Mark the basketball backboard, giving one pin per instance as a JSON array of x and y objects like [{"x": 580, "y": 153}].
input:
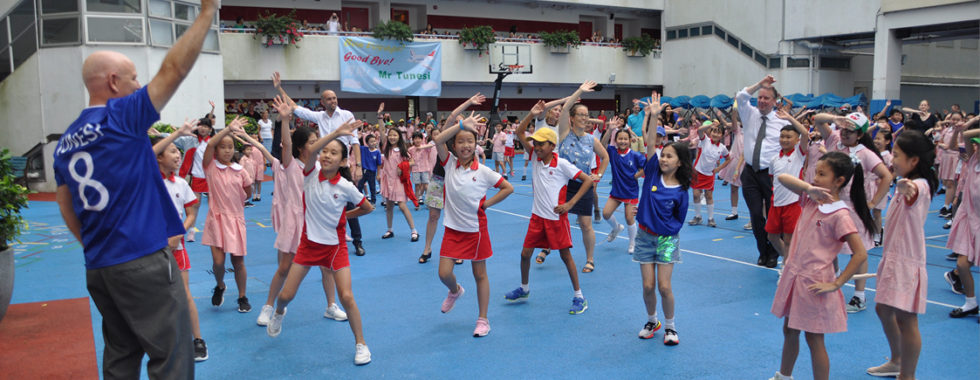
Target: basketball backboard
[{"x": 510, "y": 58}]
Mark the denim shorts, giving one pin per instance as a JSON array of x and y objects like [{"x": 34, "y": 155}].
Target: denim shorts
[{"x": 656, "y": 249}]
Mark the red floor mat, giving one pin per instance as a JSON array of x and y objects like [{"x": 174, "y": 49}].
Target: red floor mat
[{"x": 48, "y": 340}]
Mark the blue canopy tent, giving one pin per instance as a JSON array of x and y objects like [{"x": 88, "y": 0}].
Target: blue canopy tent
[
  {"x": 680, "y": 101},
  {"x": 722, "y": 101},
  {"x": 700, "y": 101}
]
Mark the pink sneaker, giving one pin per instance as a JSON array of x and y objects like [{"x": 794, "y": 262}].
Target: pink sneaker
[
  {"x": 450, "y": 301},
  {"x": 482, "y": 328}
]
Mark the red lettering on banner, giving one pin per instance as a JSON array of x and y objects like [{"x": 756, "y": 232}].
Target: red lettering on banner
[
  {"x": 351, "y": 57},
  {"x": 379, "y": 61}
]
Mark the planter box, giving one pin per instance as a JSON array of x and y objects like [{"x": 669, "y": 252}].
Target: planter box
[
  {"x": 6, "y": 279},
  {"x": 276, "y": 41},
  {"x": 470, "y": 46},
  {"x": 559, "y": 50},
  {"x": 634, "y": 54}
]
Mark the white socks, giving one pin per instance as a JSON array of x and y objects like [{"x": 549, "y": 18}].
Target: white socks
[
  {"x": 632, "y": 231},
  {"x": 652, "y": 318},
  {"x": 711, "y": 210},
  {"x": 525, "y": 288},
  {"x": 859, "y": 294},
  {"x": 669, "y": 324},
  {"x": 613, "y": 223},
  {"x": 971, "y": 302},
  {"x": 734, "y": 210},
  {"x": 697, "y": 209},
  {"x": 578, "y": 293}
]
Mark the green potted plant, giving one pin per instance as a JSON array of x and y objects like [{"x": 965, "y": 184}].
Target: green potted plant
[
  {"x": 13, "y": 198},
  {"x": 639, "y": 46},
  {"x": 561, "y": 41},
  {"x": 393, "y": 30},
  {"x": 477, "y": 38},
  {"x": 278, "y": 30},
  {"x": 163, "y": 127}
]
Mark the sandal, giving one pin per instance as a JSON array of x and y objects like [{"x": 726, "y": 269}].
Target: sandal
[
  {"x": 589, "y": 267},
  {"x": 425, "y": 257},
  {"x": 459, "y": 261},
  {"x": 388, "y": 235},
  {"x": 415, "y": 237},
  {"x": 542, "y": 256}
]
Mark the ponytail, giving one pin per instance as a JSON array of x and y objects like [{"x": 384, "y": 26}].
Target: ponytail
[
  {"x": 860, "y": 200},
  {"x": 914, "y": 144}
]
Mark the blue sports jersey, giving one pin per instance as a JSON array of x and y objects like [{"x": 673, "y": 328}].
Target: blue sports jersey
[
  {"x": 624, "y": 167},
  {"x": 370, "y": 159},
  {"x": 107, "y": 162},
  {"x": 662, "y": 209}
]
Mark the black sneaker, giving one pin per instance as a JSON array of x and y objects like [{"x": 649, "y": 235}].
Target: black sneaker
[
  {"x": 952, "y": 256},
  {"x": 948, "y": 224},
  {"x": 855, "y": 305},
  {"x": 200, "y": 350},
  {"x": 523, "y": 178},
  {"x": 249, "y": 204},
  {"x": 943, "y": 212},
  {"x": 359, "y": 249},
  {"x": 941, "y": 191},
  {"x": 954, "y": 282},
  {"x": 731, "y": 217},
  {"x": 218, "y": 298},
  {"x": 243, "y": 305}
]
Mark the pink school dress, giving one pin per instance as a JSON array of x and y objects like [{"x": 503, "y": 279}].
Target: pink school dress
[
  {"x": 948, "y": 158},
  {"x": 902, "y": 278},
  {"x": 818, "y": 237},
  {"x": 258, "y": 165},
  {"x": 728, "y": 173},
  {"x": 391, "y": 186},
  {"x": 225, "y": 224},
  {"x": 964, "y": 236},
  {"x": 869, "y": 160},
  {"x": 287, "y": 205}
]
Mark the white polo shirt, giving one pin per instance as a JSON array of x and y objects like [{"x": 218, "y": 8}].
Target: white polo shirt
[
  {"x": 550, "y": 183},
  {"x": 709, "y": 154},
  {"x": 542, "y": 123},
  {"x": 465, "y": 190},
  {"x": 327, "y": 124},
  {"x": 180, "y": 193},
  {"x": 325, "y": 202},
  {"x": 786, "y": 163}
]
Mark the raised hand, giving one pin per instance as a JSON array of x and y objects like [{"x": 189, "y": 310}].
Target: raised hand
[
  {"x": 538, "y": 108},
  {"x": 381, "y": 108},
  {"x": 236, "y": 124},
  {"x": 654, "y": 106},
  {"x": 477, "y": 99},
  {"x": 284, "y": 108},
  {"x": 472, "y": 122},
  {"x": 276, "y": 82},
  {"x": 211, "y": 102},
  {"x": 188, "y": 128},
  {"x": 782, "y": 114},
  {"x": 888, "y": 103},
  {"x": 587, "y": 86},
  {"x": 347, "y": 129},
  {"x": 768, "y": 80}
]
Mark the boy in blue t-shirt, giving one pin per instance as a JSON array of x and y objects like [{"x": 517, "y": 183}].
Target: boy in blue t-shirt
[{"x": 370, "y": 159}]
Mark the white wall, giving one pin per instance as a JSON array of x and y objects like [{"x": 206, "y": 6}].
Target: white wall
[
  {"x": 707, "y": 66},
  {"x": 943, "y": 60},
  {"x": 20, "y": 108},
  {"x": 809, "y": 19},
  {"x": 757, "y": 22},
  {"x": 317, "y": 59}
]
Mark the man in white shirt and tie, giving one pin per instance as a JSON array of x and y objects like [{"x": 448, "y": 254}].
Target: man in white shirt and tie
[{"x": 760, "y": 145}]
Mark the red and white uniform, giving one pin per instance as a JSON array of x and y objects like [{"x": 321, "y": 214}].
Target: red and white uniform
[
  {"x": 466, "y": 235},
  {"x": 709, "y": 155},
  {"x": 182, "y": 197},
  {"x": 325, "y": 220},
  {"x": 509, "y": 143},
  {"x": 192, "y": 165},
  {"x": 550, "y": 183},
  {"x": 786, "y": 209}
]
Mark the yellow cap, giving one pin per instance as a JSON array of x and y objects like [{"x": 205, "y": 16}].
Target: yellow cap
[{"x": 545, "y": 134}]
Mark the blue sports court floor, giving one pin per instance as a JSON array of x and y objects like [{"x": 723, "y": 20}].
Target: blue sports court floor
[{"x": 722, "y": 303}]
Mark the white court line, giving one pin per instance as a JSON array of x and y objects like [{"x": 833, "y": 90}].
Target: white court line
[{"x": 716, "y": 257}]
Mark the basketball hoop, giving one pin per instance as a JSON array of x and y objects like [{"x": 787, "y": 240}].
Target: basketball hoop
[{"x": 514, "y": 68}]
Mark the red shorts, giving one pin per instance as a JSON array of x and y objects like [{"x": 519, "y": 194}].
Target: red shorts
[
  {"x": 548, "y": 234},
  {"x": 508, "y": 151},
  {"x": 311, "y": 253},
  {"x": 702, "y": 182},
  {"x": 782, "y": 219},
  {"x": 633, "y": 201},
  {"x": 180, "y": 254},
  {"x": 466, "y": 245},
  {"x": 199, "y": 185}
]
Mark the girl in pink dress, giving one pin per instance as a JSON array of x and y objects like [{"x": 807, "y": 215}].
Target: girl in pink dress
[
  {"x": 964, "y": 236},
  {"x": 731, "y": 173},
  {"x": 394, "y": 152},
  {"x": 224, "y": 229},
  {"x": 808, "y": 295},
  {"x": 851, "y": 137},
  {"x": 258, "y": 169},
  {"x": 902, "y": 278},
  {"x": 882, "y": 141},
  {"x": 948, "y": 154}
]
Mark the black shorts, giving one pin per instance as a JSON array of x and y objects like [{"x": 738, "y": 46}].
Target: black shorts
[{"x": 584, "y": 205}]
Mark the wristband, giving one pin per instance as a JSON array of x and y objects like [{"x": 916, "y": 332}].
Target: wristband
[{"x": 460, "y": 125}]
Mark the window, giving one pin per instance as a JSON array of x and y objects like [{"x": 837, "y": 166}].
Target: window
[
  {"x": 114, "y": 6},
  {"x": 797, "y": 62},
  {"x": 21, "y": 18},
  {"x": 695, "y": 31},
  {"x": 761, "y": 59},
  {"x": 719, "y": 32},
  {"x": 682, "y": 33},
  {"x": 58, "y": 6},
  {"x": 5, "y": 64},
  {"x": 24, "y": 46},
  {"x": 161, "y": 33},
  {"x": 4, "y": 40},
  {"x": 60, "y": 31},
  {"x": 775, "y": 63},
  {"x": 706, "y": 30},
  {"x": 733, "y": 41},
  {"x": 841, "y": 63},
  {"x": 168, "y": 20},
  {"x": 747, "y": 50},
  {"x": 115, "y": 29},
  {"x": 671, "y": 34}
]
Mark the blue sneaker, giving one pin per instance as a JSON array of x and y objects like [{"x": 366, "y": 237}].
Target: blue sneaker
[
  {"x": 517, "y": 294},
  {"x": 579, "y": 305}
]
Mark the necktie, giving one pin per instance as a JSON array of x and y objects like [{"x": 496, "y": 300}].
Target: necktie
[{"x": 759, "y": 138}]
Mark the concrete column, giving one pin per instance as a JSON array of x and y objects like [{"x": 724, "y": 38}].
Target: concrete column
[
  {"x": 887, "y": 73},
  {"x": 384, "y": 11}
]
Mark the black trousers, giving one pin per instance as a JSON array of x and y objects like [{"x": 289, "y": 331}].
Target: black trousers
[
  {"x": 757, "y": 191},
  {"x": 370, "y": 178},
  {"x": 354, "y": 224},
  {"x": 144, "y": 311}
]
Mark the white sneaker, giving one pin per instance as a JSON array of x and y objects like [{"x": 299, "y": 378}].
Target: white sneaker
[
  {"x": 265, "y": 315},
  {"x": 779, "y": 376},
  {"x": 333, "y": 312},
  {"x": 615, "y": 232},
  {"x": 190, "y": 234},
  {"x": 275, "y": 324},
  {"x": 631, "y": 248},
  {"x": 747, "y": 227},
  {"x": 362, "y": 355}
]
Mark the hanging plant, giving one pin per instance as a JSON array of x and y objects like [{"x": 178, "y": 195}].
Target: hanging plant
[
  {"x": 478, "y": 38},
  {"x": 561, "y": 40},
  {"x": 278, "y": 30},
  {"x": 639, "y": 46},
  {"x": 393, "y": 30}
]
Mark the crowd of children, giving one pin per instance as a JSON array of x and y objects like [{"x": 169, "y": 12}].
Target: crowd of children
[{"x": 833, "y": 176}]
